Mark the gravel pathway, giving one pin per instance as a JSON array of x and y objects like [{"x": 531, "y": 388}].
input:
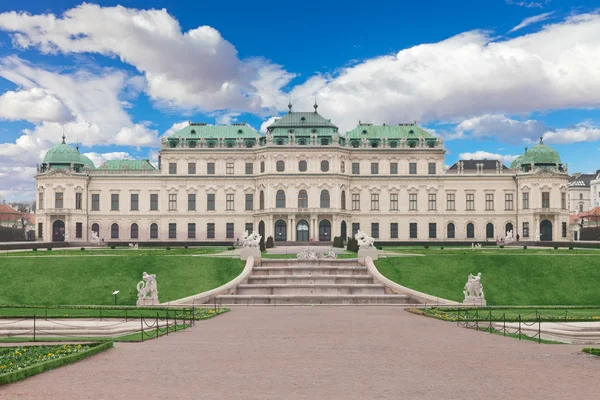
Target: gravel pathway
[{"x": 323, "y": 353}]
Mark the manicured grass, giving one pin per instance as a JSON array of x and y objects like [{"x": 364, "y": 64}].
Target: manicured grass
[
  {"x": 120, "y": 251},
  {"x": 461, "y": 250},
  {"x": 592, "y": 351},
  {"x": 102, "y": 312},
  {"x": 87, "y": 280},
  {"x": 507, "y": 280}
]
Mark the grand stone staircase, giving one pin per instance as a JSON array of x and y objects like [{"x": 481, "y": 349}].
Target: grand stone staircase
[{"x": 302, "y": 282}]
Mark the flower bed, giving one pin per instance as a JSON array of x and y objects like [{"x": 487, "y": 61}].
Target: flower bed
[
  {"x": 511, "y": 314},
  {"x": 592, "y": 351},
  {"x": 20, "y": 362}
]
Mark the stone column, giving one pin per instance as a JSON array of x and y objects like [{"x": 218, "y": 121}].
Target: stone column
[{"x": 292, "y": 237}]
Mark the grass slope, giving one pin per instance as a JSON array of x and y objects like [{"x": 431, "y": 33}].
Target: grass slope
[
  {"x": 91, "y": 280},
  {"x": 507, "y": 280}
]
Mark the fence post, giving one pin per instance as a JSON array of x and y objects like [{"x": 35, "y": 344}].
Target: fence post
[
  {"x": 125, "y": 315},
  {"x": 175, "y": 323},
  {"x": 142, "y": 327},
  {"x": 504, "y": 319},
  {"x": 566, "y": 314},
  {"x": 167, "y": 322},
  {"x": 157, "y": 325},
  {"x": 100, "y": 313},
  {"x": 34, "y": 327},
  {"x": 46, "y": 307},
  {"x": 539, "y": 330},
  {"x": 490, "y": 322},
  {"x": 467, "y": 320},
  {"x": 519, "y": 326},
  {"x": 477, "y": 319},
  {"x": 458, "y": 319}
]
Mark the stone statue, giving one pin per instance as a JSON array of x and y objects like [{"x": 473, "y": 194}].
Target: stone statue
[
  {"x": 66, "y": 235},
  {"x": 251, "y": 240},
  {"x": 133, "y": 246},
  {"x": 509, "y": 236},
  {"x": 147, "y": 290},
  {"x": 475, "y": 246},
  {"x": 474, "y": 290},
  {"x": 94, "y": 238},
  {"x": 365, "y": 242},
  {"x": 307, "y": 254}
]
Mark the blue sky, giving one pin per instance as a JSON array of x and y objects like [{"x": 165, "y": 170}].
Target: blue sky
[{"x": 490, "y": 76}]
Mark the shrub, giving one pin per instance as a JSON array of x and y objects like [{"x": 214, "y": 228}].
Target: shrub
[
  {"x": 231, "y": 248},
  {"x": 113, "y": 247},
  {"x": 338, "y": 242},
  {"x": 168, "y": 248},
  {"x": 262, "y": 244},
  {"x": 82, "y": 249},
  {"x": 501, "y": 246},
  {"x": 426, "y": 247},
  {"x": 49, "y": 249},
  {"x": 33, "y": 249},
  {"x": 442, "y": 248},
  {"x": 185, "y": 247},
  {"x": 524, "y": 247},
  {"x": 592, "y": 351},
  {"x": 570, "y": 247},
  {"x": 270, "y": 243},
  {"x": 379, "y": 247},
  {"x": 555, "y": 247},
  {"x": 352, "y": 245}
]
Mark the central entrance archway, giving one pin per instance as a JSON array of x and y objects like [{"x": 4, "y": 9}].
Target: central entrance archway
[
  {"x": 280, "y": 231},
  {"x": 324, "y": 231},
  {"x": 343, "y": 231},
  {"x": 302, "y": 231},
  {"x": 545, "y": 230},
  {"x": 58, "y": 231}
]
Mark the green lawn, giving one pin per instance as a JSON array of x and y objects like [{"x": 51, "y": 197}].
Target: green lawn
[
  {"x": 533, "y": 279},
  {"x": 120, "y": 251},
  {"x": 83, "y": 280}
]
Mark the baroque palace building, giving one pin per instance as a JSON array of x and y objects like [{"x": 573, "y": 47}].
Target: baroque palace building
[{"x": 301, "y": 181}]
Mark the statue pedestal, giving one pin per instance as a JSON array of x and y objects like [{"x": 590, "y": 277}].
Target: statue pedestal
[
  {"x": 246, "y": 252},
  {"x": 373, "y": 253},
  {"x": 147, "y": 302},
  {"x": 475, "y": 301}
]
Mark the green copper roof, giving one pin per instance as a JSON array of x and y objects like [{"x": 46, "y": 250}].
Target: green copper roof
[
  {"x": 129, "y": 165},
  {"x": 87, "y": 162},
  {"x": 64, "y": 155},
  {"x": 406, "y": 131},
  {"x": 541, "y": 154},
  {"x": 197, "y": 131},
  {"x": 302, "y": 120},
  {"x": 516, "y": 162}
]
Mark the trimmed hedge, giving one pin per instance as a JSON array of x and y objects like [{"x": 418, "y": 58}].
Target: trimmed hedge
[
  {"x": 270, "y": 243},
  {"x": 51, "y": 364},
  {"x": 352, "y": 245},
  {"x": 338, "y": 242},
  {"x": 592, "y": 351}
]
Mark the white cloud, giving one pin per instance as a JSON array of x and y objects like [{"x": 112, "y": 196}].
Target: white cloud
[
  {"x": 529, "y": 4},
  {"x": 100, "y": 158},
  {"x": 265, "y": 125},
  {"x": 500, "y": 127},
  {"x": 16, "y": 183},
  {"x": 176, "y": 127},
  {"x": 532, "y": 20},
  {"x": 34, "y": 104},
  {"x": 227, "y": 118},
  {"x": 484, "y": 155},
  {"x": 582, "y": 132}
]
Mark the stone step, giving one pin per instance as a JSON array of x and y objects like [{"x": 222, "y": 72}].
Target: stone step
[
  {"x": 290, "y": 262},
  {"x": 313, "y": 299},
  {"x": 310, "y": 270},
  {"x": 310, "y": 289},
  {"x": 309, "y": 279}
]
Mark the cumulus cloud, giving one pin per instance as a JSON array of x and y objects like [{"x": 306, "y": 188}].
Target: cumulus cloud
[
  {"x": 265, "y": 125},
  {"x": 532, "y": 20},
  {"x": 500, "y": 127},
  {"x": 529, "y": 4},
  {"x": 175, "y": 128},
  {"x": 484, "y": 155},
  {"x": 227, "y": 118},
  {"x": 33, "y": 104},
  {"x": 16, "y": 183},
  {"x": 100, "y": 158},
  {"x": 582, "y": 132}
]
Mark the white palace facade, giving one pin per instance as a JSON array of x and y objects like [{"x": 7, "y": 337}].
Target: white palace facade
[{"x": 301, "y": 181}]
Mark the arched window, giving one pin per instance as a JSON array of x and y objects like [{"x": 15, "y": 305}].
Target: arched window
[
  {"x": 393, "y": 144},
  {"x": 489, "y": 231},
  {"x": 324, "y": 199},
  {"x": 302, "y": 166},
  {"x": 470, "y": 231},
  {"x": 343, "y": 167},
  {"x": 280, "y": 166},
  {"x": 451, "y": 231},
  {"x": 262, "y": 166},
  {"x": 302, "y": 199},
  {"x": 343, "y": 200},
  {"x": 192, "y": 144},
  {"x": 279, "y": 142},
  {"x": 355, "y": 143},
  {"x": 154, "y": 231},
  {"x": 261, "y": 200},
  {"x": 324, "y": 166},
  {"x": 302, "y": 142},
  {"x": 114, "y": 231},
  {"x": 280, "y": 199},
  {"x": 374, "y": 144},
  {"x": 96, "y": 228},
  {"x": 134, "y": 234}
]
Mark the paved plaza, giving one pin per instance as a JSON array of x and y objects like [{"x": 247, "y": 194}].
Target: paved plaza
[{"x": 323, "y": 353}]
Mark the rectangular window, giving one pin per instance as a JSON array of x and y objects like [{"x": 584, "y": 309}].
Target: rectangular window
[
  {"x": 229, "y": 168},
  {"x": 450, "y": 202},
  {"x": 172, "y": 168},
  {"x": 95, "y": 201},
  {"x": 78, "y": 230},
  {"x": 40, "y": 230},
  {"x": 356, "y": 201},
  {"x": 412, "y": 230},
  {"x": 135, "y": 202},
  {"x": 394, "y": 230},
  {"x": 114, "y": 201},
  {"x": 40, "y": 205},
  {"x": 172, "y": 230},
  {"x": 470, "y": 201},
  {"x": 564, "y": 229},
  {"x": 210, "y": 201},
  {"x": 172, "y": 202},
  {"x": 545, "y": 199},
  {"x": 229, "y": 230},
  {"x": 210, "y": 168},
  {"x": 412, "y": 201},
  {"x": 191, "y": 201},
  {"x": 191, "y": 231},
  {"x": 412, "y": 168},
  {"x": 525, "y": 200},
  {"x": 508, "y": 201},
  {"x": 563, "y": 201},
  {"x": 355, "y": 228},
  {"x": 58, "y": 200},
  {"x": 78, "y": 201},
  {"x": 153, "y": 201},
  {"x": 525, "y": 229},
  {"x": 374, "y": 168},
  {"x": 375, "y": 230},
  {"x": 192, "y": 168},
  {"x": 432, "y": 230},
  {"x": 210, "y": 230},
  {"x": 432, "y": 203},
  {"x": 249, "y": 201},
  {"x": 355, "y": 168},
  {"x": 489, "y": 201},
  {"x": 229, "y": 199},
  {"x": 375, "y": 201},
  {"x": 394, "y": 201},
  {"x": 249, "y": 168},
  {"x": 249, "y": 227},
  {"x": 394, "y": 168},
  {"x": 431, "y": 168}
]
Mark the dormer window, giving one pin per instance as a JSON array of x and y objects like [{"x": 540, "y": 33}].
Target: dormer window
[
  {"x": 313, "y": 130},
  {"x": 172, "y": 144},
  {"x": 364, "y": 132},
  {"x": 229, "y": 144},
  {"x": 192, "y": 144},
  {"x": 240, "y": 131},
  {"x": 324, "y": 141},
  {"x": 302, "y": 119},
  {"x": 193, "y": 131},
  {"x": 211, "y": 144},
  {"x": 302, "y": 142},
  {"x": 279, "y": 142}
]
